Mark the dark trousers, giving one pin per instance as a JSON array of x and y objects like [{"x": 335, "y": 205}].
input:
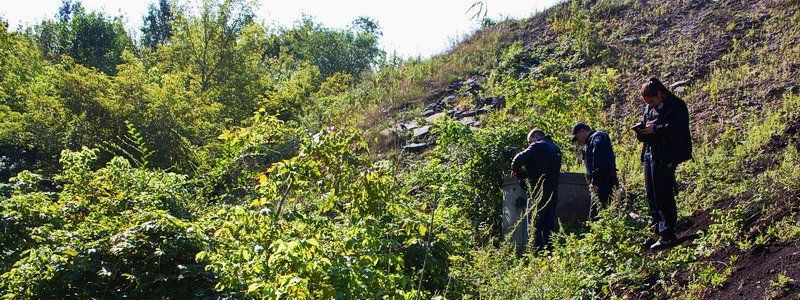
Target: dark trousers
[
  {"x": 659, "y": 181},
  {"x": 600, "y": 197},
  {"x": 545, "y": 221}
]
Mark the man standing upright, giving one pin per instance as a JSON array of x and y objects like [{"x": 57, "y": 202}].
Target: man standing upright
[
  {"x": 667, "y": 142},
  {"x": 601, "y": 165},
  {"x": 539, "y": 167}
]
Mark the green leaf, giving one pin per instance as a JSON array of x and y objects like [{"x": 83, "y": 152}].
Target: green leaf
[
  {"x": 253, "y": 287},
  {"x": 200, "y": 256}
]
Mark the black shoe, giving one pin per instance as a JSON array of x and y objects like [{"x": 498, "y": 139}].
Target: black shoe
[{"x": 662, "y": 243}]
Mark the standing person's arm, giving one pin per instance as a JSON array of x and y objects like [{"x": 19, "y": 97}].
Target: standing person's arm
[
  {"x": 674, "y": 124},
  {"x": 521, "y": 159},
  {"x": 602, "y": 156},
  {"x": 644, "y": 138}
]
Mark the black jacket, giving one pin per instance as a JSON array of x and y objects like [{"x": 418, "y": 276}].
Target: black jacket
[
  {"x": 601, "y": 165},
  {"x": 671, "y": 141},
  {"x": 541, "y": 160}
]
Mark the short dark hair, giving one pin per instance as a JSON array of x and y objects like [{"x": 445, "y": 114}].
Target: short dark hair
[
  {"x": 580, "y": 126},
  {"x": 535, "y": 132}
]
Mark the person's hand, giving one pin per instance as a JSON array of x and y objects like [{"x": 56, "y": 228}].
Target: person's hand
[{"x": 648, "y": 129}]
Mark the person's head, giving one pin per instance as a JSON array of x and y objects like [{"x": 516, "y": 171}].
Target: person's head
[
  {"x": 580, "y": 133},
  {"x": 535, "y": 136},
  {"x": 654, "y": 92}
]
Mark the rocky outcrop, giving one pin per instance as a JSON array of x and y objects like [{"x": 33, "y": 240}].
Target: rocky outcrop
[{"x": 461, "y": 101}]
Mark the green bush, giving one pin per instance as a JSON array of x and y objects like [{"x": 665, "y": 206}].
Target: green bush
[{"x": 116, "y": 230}]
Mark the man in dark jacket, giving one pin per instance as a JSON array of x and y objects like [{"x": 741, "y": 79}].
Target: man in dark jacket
[
  {"x": 667, "y": 142},
  {"x": 538, "y": 167},
  {"x": 601, "y": 165}
]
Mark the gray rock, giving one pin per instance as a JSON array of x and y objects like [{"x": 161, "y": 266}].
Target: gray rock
[
  {"x": 680, "y": 89},
  {"x": 485, "y": 109},
  {"x": 386, "y": 132},
  {"x": 422, "y": 131},
  {"x": 499, "y": 102},
  {"x": 427, "y": 112},
  {"x": 390, "y": 138},
  {"x": 680, "y": 83},
  {"x": 434, "y": 117},
  {"x": 630, "y": 40},
  {"x": 470, "y": 82},
  {"x": 415, "y": 147},
  {"x": 468, "y": 121},
  {"x": 474, "y": 82},
  {"x": 447, "y": 100},
  {"x": 407, "y": 125},
  {"x": 469, "y": 113},
  {"x": 491, "y": 101}
]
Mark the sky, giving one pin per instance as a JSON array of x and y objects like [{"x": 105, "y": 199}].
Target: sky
[{"x": 410, "y": 27}]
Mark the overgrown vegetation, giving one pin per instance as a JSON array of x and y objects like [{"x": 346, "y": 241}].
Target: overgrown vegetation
[{"x": 217, "y": 157}]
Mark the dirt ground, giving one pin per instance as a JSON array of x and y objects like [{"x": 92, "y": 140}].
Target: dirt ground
[{"x": 757, "y": 270}]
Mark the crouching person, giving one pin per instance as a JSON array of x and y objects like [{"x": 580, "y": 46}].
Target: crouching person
[{"x": 538, "y": 167}]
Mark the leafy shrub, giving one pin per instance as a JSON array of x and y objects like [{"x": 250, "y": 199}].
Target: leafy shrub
[
  {"x": 325, "y": 224},
  {"x": 478, "y": 160},
  {"x": 116, "y": 230}
]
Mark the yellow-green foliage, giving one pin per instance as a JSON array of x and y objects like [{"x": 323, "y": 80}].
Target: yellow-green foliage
[
  {"x": 554, "y": 105},
  {"x": 231, "y": 167},
  {"x": 578, "y": 32}
]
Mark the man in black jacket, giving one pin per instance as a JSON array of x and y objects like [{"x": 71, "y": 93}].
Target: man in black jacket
[
  {"x": 601, "y": 165},
  {"x": 667, "y": 143},
  {"x": 538, "y": 167}
]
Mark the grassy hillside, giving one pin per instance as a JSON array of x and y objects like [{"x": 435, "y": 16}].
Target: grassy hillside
[
  {"x": 731, "y": 62},
  {"x": 267, "y": 178}
]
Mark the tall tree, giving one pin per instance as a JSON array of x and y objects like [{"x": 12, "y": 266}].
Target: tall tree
[
  {"x": 92, "y": 39},
  {"x": 350, "y": 51},
  {"x": 158, "y": 22},
  {"x": 67, "y": 8},
  {"x": 221, "y": 50},
  {"x": 208, "y": 43}
]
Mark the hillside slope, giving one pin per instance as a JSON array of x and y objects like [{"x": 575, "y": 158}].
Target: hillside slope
[{"x": 734, "y": 62}]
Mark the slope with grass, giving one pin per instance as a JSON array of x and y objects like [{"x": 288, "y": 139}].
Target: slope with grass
[{"x": 734, "y": 62}]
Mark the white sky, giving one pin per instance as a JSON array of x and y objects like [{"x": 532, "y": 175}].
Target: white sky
[{"x": 410, "y": 27}]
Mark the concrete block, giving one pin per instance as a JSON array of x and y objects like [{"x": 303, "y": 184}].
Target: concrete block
[{"x": 572, "y": 209}]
